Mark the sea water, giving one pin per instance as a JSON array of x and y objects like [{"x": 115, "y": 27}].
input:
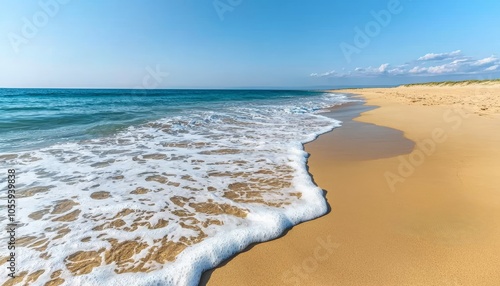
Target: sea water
[{"x": 153, "y": 187}]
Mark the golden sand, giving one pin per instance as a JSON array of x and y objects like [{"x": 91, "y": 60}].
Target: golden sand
[
  {"x": 38, "y": 215},
  {"x": 82, "y": 262},
  {"x": 140, "y": 191},
  {"x": 16, "y": 280},
  {"x": 63, "y": 206},
  {"x": 419, "y": 206},
  {"x": 55, "y": 282},
  {"x": 218, "y": 209},
  {"x": 34, "y": 276},
  {"x": 481, "y": 99},
  {"x": 68, "y": 217},
  {"x": 101, "y": 195},
  {"x": 33, "y": 191}
]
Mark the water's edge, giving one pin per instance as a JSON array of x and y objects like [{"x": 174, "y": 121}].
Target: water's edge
[{"x": 359, "y": 101}]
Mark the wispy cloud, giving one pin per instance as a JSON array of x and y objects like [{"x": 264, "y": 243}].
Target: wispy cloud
[
  {"x": 440, "y": 57},
  {"x": 453, "y": 63},
  {"x": 493, "y": 68},
  {"x": 486, "y": 61},
  {"x": 326, "y": 74}
]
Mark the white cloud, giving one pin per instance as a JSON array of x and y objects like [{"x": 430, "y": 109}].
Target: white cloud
[
  {"x": 439, "y": 57},
  {"x": 486, "y": 61},
  {"x": 326, "y": 74},
  {"x": 492, "y": 68},
  {"x": 456, "y": 62},
  {"x": 442, "y": 69},
  {"x": 453, "y": 63},
  {"x": 417, "y": 69},
  {"x": 383, "y": 68}
]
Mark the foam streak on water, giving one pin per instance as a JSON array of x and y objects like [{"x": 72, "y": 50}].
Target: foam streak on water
[{"x": 160, "y": 202}]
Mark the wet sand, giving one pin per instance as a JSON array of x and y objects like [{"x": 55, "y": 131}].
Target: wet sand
[{"x": 414, "y": 191}]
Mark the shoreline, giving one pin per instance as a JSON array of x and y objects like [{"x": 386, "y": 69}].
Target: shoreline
[
  {"x": 353, "y": 109},
  {"x": 393, "y": 144},
  {"x": 431, "y": 227}
]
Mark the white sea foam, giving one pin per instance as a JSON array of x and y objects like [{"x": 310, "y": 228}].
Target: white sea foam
[{"x": 207, "y": 184}]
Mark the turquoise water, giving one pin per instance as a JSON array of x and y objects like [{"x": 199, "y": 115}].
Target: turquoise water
[
  {"x": 32, "y": 118},
  {"x": 193, "y": 175}
]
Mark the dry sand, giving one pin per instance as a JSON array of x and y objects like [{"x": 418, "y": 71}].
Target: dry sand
[{"x": 434, "y": 220}]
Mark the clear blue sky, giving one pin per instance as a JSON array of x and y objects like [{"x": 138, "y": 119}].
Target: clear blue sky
[{"x": 245, "y": 43}]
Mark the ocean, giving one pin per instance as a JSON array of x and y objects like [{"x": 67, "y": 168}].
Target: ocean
[{"x": 153, "y": 187}]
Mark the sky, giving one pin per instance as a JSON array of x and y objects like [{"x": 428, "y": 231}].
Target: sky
[{"x": 246, "y": 43}]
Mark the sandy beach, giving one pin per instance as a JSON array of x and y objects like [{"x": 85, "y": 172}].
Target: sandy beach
[{"x": 413, "y": 187}]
